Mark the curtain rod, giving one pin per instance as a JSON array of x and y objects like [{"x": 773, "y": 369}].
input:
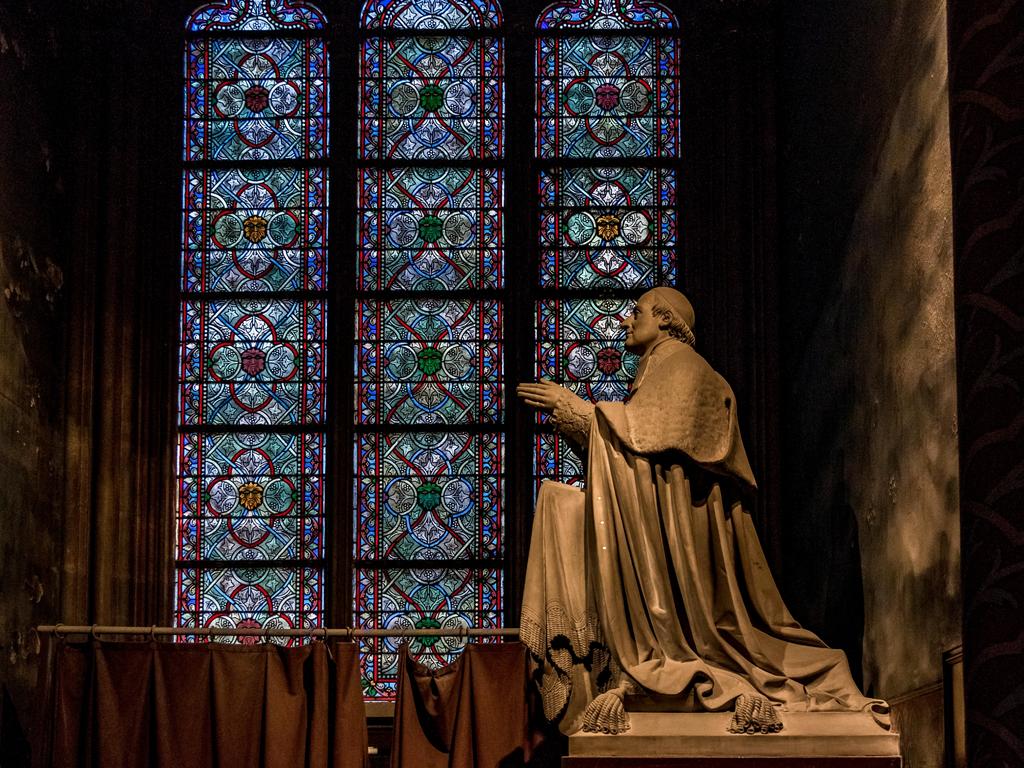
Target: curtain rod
[{"x": 317, "y": 633}]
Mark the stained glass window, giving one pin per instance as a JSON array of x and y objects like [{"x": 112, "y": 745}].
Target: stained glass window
[
  {"x": 429, "y": 347},
  {"x": 429, "y": 361},
  {"x": 251, "y": 454},
  {"x": 607, "y": 139},
  {"x": 428, "y": 15},
  {"x": 432, "y": 98},
  {"x": 427, "y": 228},
  {"x": 607, "y": 227},
  {"x": 606, "y": 15}
]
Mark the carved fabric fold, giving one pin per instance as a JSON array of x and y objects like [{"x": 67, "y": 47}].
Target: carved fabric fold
[
  {"x": 557, "y": 623},
  {"x": 683, "y": 590}
]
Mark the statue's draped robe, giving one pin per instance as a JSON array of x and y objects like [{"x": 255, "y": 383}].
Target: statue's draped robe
[{"x": 659, "y": 564}]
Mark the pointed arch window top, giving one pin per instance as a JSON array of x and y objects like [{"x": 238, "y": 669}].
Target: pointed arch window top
[
  {"x": 431, "y": 14},
  {"x": 256, "y": 16},
  {"x": 606, "y": 15}
]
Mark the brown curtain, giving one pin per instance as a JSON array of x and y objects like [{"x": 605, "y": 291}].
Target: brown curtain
[
  {"x": 142, "y": 704},
  {"x": 469, "y": 714}
]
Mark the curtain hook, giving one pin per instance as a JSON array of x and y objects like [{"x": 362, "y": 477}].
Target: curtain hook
[
  {"x": 57, "y": 632},
  {"x": 266, "y": 634},
  {"x": 152, "y": 633},
  {"x": 350, "y": 634},
  {"x": 327, "y": 646},
  {"x": 93, "y": 633}
]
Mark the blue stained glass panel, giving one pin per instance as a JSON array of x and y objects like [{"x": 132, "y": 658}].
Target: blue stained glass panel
[
  {"x": 256, "y": 16},
  {"x": 581, "y": 346},
  {"x": 618, "y": 187},
  {"x": 607, "y": 98},
  {"x": 421, "y": 598},
  {"x": 249, "y": 496},
  {"x": 250, "y": 596},
  {"x": 606, "y": 15},
  {"x": 255, "y": 229},
  {"x": 429, "y": 360},
  {"x": 429, "y": 495},
  {"x": 256, "y": 99},
  {"x": 430, "y": 14},
  {"x": 250, "y": 515},
  {"x": 252, "y": 361},
  {"x": 425, "y": 357},
  {"x": 431, "y": 228},
  {"x": 431, "y": 98},
  {"x": 607, "y": 227}
]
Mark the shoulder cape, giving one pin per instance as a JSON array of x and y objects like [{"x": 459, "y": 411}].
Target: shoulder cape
[{"x": 683, "y": 405}]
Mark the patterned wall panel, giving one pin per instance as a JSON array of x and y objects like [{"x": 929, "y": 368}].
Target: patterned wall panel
[{"x": 987, "y": 126}]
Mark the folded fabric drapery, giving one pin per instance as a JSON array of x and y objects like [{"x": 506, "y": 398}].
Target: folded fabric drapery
[
  {"x": 471, "y": 713},
  {"x": 210, "y": 705}
]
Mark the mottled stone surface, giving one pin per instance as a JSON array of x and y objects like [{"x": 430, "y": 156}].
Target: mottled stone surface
[
  {"x": 919, "y": 719},
  {"x": 32, "y": 363},
  {"x": 871, "y": 449}
]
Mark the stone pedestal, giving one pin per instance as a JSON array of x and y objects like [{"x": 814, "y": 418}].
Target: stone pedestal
[{"x": 699, "y": 740}]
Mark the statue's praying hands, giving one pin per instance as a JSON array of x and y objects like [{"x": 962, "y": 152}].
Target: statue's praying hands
[
  {"x": 570, "y": 414},
  {"x": 542, "y": 395}
]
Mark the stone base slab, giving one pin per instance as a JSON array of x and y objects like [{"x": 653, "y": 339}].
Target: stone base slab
[
  {"x": 731, "y": 762},
  {"x": 805, "y": 735}
]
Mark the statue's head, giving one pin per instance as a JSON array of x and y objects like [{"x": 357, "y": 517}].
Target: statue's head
[
  {"x": 674, "y": 312},
  {"x": 660, "y": 313}
]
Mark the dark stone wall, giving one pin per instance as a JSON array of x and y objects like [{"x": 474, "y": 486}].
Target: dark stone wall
[
  {"x": 33, "y": 265},
  {"x": 870, "y": 506},
  {"x": 89, "y": 171}
]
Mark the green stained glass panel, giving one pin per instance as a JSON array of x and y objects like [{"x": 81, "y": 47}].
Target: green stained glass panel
[
  {"x": 247, "y": 496},
  {"x": 431, "y": 228},
  {"x": 429, "y": 360},
  {"x": 255, "y": 229},
  {"x": 259, "y": 98},
  {"x": 250, "y": 596},
  {"x": 429, "y": 496},
  {"x": 607, "y": 227},
  {"x": 252, "y": 361},
  {"x": 607, "y": 98},
  {"x": 429, "y": 597},
  {"x": 431, "y": 98}
]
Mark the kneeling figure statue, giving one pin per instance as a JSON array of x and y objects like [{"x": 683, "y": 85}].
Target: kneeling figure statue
[{"x": 652, "y": 580}]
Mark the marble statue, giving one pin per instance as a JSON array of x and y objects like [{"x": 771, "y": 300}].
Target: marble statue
[{"x": 652, "y": 579}]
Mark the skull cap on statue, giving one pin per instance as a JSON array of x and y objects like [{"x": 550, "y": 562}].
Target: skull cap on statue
[{"x": 674, "y": 300}]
